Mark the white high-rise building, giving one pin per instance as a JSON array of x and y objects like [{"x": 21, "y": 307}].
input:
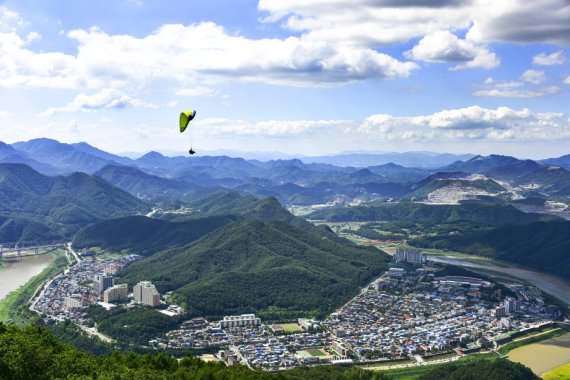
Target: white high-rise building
[
  {"x": 240, "y": 321},
  {"x": 145, "y": 292},
  {"x": 119, "y": 292},
  {"x": 413, "y": 256}
]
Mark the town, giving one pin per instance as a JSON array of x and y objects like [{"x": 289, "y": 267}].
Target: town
[{"x": 411, "y": 314}]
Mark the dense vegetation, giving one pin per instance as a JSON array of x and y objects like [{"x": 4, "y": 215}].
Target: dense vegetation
[
  {"x": 136, "y": 326},
  {"x": 34, "y": 353},
  {"x": 542, "y": 245},
  {"x": 493, "y": 215},
  {"x": 496, "y": 370},
  {"x": 145, "y": 236},
  {"x": 257, "y": 266},
  {"x": 33, "y": 205}
]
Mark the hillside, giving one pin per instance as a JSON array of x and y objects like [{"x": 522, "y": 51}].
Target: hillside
[
  {"x": 62, "y": 203},
  {"x": 544, "y": 246},
  {"x": 64, "y": 157},
  {"x": 145, "y": 236},
  {"x": 430, "y": 214},
  {"x": 141, "y": 184},
  {"x": 270, "y": 268},
  {"x": 469, "y": 182}
]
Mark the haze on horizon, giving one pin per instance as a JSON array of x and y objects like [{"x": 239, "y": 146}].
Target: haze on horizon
[{"x": 299, "y": 77}]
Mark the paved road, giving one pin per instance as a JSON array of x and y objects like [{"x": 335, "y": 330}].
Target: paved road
[{"x": 548, "y": 283}]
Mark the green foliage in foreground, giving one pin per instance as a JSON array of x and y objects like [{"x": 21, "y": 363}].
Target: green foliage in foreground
[
  {"x": 33, "y": 353},
  {"x": 497, "y": 370}
]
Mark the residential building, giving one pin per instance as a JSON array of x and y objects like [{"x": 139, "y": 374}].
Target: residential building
[
  {"x": 412, "y": 256},
  {"x": 145, "y": 292},
  {"x": 240, "y": 321},
  {"x": 103, "y": 282},
  {"x": 119, "y": 292},
  {"x": 73, "y": 303}
]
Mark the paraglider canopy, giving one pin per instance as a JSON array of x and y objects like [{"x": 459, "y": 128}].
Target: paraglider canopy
[{"x": 185, "y": 118}]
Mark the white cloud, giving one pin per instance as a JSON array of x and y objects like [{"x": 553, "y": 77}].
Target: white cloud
[
  {"x": 10, "y": 20},
  {"x": 117, "y": 61},
  {"x": 104, "y": 99},
  {"x": 514, "y": 89},
  {"x": 443, "y": 46},
  {"x": 196, "y": 91},
  {"x": 269, "y": 128},
  {"x": 534, "y": 76},
  {"x": 468, "y": 123},
  {"x": 567, "y": 80},
  {"x": 556, "y": 58},
  {"x": 384, "y": 22}
]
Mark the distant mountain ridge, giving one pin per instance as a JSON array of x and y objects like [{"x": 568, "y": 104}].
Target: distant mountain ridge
[{"x": 61, "y": 203}]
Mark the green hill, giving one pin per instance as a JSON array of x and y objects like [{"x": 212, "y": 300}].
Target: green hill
[
  {"x": 430, "y": 214},
  {"x": 61, "y": 203},
  {"x": 271, "y": 268},
  {"x": 541, "y": 245},
  {"x": 145, "y": 236}
]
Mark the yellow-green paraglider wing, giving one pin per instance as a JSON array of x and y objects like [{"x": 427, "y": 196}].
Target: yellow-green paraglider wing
[{"x": 185, "y": 118}]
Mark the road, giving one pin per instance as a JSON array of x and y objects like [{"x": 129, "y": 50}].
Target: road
[
  {"x": 75, "y": 255},
  {"x": 548, "y": 283}
]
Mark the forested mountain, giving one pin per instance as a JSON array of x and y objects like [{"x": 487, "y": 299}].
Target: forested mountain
[
  {"x": 485, "y": 214},
  {"x": 261, "y": 266},
  {"x": 144, "y": 185},
  {"x": 145, "y": 236},
  {"x": 540, "y": 245},
  {"x": 64, "y": 157},
  {"x": 61, "y": 203}
]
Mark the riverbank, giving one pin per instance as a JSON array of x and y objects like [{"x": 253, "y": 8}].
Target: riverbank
[{"x": 13, "y": 307}]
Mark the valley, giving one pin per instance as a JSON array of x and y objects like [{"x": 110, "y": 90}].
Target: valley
[{"x": 309, "y": 245}]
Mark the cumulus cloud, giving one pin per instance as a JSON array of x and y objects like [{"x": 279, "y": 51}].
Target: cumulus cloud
[
  {"x": 521, "y": 21},
  {"x": 443, "y": 46},
  {"x": 120, "y": 60},
  {"x": 391, "y": 21},
  {"x": 516, "y": 89},
  {"x": 567, "y": 80},
  {"x": 556, "y": 58},
  {"x": 104, "y": 99},
  {"x": 10, "y": 20},
  {"x": 534, "y": 76},
  {"x": 472, "y": 122},
  {"x": 475, "y": 122}
]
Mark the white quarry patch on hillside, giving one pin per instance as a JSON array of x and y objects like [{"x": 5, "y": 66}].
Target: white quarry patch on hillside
[{"x": 454, "y": 194}]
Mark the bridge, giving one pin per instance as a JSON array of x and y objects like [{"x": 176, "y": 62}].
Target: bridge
[{"x": 8, "y": 249}]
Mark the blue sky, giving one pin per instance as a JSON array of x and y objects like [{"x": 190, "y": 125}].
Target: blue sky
[{"x": 303, "y": 77}]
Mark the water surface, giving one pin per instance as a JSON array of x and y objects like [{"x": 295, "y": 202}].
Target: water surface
[{"x": 15, "y": 273}]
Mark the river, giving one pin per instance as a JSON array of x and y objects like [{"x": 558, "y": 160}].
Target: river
[
  {"x": 550, "y": 284},
  {"x": 15, "y": 273}
]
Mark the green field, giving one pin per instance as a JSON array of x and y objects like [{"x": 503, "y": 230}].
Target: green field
[
  {"x": 317, "y": 352},
  {"x": 291, "y": 327},
  {"x": 560, "y": 373}
]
